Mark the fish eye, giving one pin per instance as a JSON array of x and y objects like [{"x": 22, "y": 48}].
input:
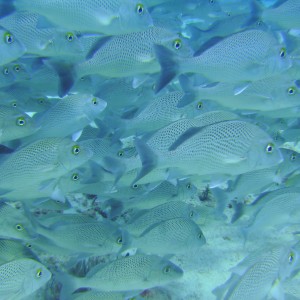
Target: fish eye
[
  {"x": 140, "y": 8},
  {"x": 75, "y": 150},
  {"x": 21, "y": 121},
  {"x": 95, "y": 101},
  {"x": 135, "y": 186},
  {"x": 167, "y": 269},
  {"x": 19, "y": 227},
  {"x": 39, "y": 273},
  {"x": 188, "y": 186},
  {"x": 228, "y": 14},
  {"x": 199, "y": 105},
  {"x": 270, "y": 148},
  {"x": 8, "y": 38},
  {"x": 75, "y": 176},
  {"x": 70, "y": 36},
  {"x": 28, "y": 245},
  {"x": 191, "y": 214},
  {"x": 17, "y": 68},
  {"x": 291, "y": 257},
  {"x": 14, "y": 104},
  {"x": 200, "y": 235},
  {"x": 291, "y": 90},
  {"x": 211, "y": 1},
  {"x": 293, "y": 156},
  {"x": 120, "y": 153},
  {"x": 119, "y": 240},
  {"x": 5, "y": 71},
  {"x": 282, "y": 52},
  {"x": 177, "y": 44}
]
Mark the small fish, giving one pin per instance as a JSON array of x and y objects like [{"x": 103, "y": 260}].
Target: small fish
[
  {"x": 264, "y": 95},
  {"x": 40, "y": 41},
  {"x": 94, "y": 237},
  {"x": 102, "y": 16},
  {"x": 274, "y": 211},
  {"x": 71, "y": 113},
  {"x": 174, "y": 236},
  {"x": 136, "y": 56},
  {"x": 161, "y": 193},
  {"x": 145, "y": 219},
  {"x": 41, "y": 160},
  {"x": 229, "y": 147},
  {"x": 259, "y": 278},
  {"x": 21, "y": 278},
  {"x": 128, "y": 273},
  {"x": 263, "y": 56}
]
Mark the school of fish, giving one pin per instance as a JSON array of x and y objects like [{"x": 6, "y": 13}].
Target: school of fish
[{"x": 150, "y": 149}]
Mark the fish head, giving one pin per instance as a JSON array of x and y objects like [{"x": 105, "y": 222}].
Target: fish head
[
  {"x": 10, "y": 48},
  {"x": 93, "y": 106},
  {"x": 14, "y": 222},
  {"x": 134, "y": 17},
  {"x": 39, "y": 276},
  {"x": 200, "y": 238},
  {"x": 263, "y": 152},
  {"x": 73, "y": 154},
  {"x": 65, "y": 43},
  {"x": 18, "y": 125},
  {"x": 290, "y": 260},
  {"x": 277, "y": 60},
  {"x": 164, "y": 271},
  {"x": 186, "y": 189}
]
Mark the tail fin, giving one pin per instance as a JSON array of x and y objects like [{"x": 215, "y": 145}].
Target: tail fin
[
  {"x": 148, "y": 158},
  {"x": 66, "y": 75},
  {"x": 168, "y": 64},
  {"x": 187, "y": 88}
]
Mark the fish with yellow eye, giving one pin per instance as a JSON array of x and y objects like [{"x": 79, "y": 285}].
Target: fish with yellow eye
[
  {"x": 15, "y": 124},
  {"x": 38, "y": 161},
  {"x": 10, "y": 48},
  {"x": 109, "y": 17},
  {"x": 22, "y": 277}
]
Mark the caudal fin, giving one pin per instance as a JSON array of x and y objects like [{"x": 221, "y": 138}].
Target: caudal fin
[
  {"x": 148, "y": 158},
  {"x": 168, "y": 64},
  {"x": 66, "y": 74}
]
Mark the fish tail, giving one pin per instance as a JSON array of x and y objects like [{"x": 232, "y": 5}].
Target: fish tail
[
  {"x": 66, "y": 73},
  {"x": 168, "y": 64},
  {"x": 69, "y": 285},
  {"x": 187, "y": 88},
  {"x": 148, "y": 158}
]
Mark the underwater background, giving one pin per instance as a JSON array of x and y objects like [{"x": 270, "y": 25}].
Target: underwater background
[{"x": 149, "y": 149}]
